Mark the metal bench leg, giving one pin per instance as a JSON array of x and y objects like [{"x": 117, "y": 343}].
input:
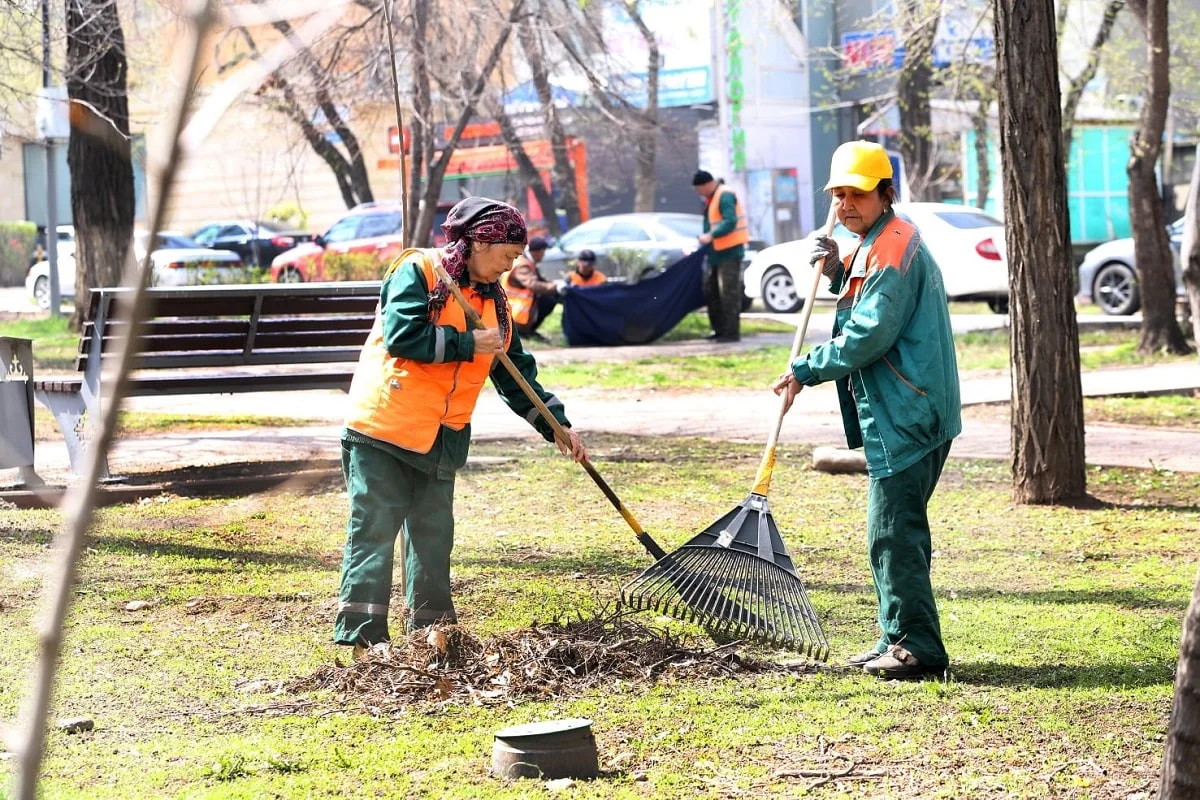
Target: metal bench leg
[{"x": 70, "y": 413}]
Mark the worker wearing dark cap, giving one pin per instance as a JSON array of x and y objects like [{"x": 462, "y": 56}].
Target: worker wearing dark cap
[
  {"x": 585, "y": 272},
  {"x": 530, "y": 296},
  {"x": 725, "y": 235}
]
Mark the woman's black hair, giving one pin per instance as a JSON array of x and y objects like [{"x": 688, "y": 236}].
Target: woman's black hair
[{"x": 887, "y": 190}]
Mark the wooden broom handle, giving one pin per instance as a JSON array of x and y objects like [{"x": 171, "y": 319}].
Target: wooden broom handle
[
  {"x": 763, "y": 480},
  {"x": 555, "y": 425}
]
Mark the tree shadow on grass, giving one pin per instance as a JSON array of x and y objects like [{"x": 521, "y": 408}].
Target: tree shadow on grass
[
  {"x": 191, "y": 552},
  {"x": 1097, "y": 675},
  {"x": 1093, "y": 503},
  {"x": 1123, "y": 598}
]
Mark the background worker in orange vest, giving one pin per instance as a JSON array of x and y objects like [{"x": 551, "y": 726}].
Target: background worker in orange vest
[
  {"x": 530, "y": 295},
  {"x": 725, "y": 235},
  {"x": 585, "y": 272},
  {"x": 409, "y": 425}
]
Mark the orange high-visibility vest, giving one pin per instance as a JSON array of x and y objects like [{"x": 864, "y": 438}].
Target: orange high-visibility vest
[
  {"x": 520, "y": 299},
  {"x": 595, "y": 279},
  {"x": 405, "y": 402},
  {"x": 740, "y": 234}
]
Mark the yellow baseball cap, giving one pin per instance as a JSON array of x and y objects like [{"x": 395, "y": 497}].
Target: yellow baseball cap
[{"x": 859, "y": 164}]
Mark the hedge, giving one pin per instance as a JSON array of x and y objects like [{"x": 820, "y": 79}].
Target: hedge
[{"x": 17, "y": 242}]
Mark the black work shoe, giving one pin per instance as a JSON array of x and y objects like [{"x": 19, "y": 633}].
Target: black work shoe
[
  {"x": 710, "y": 336},
  {"x": 726, "y": 339},
  {"x": 899, "y": 664},
  {"x": 863, "y": 658}
]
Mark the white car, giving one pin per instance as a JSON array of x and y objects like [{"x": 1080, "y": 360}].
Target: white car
[
  {"x": 967, "y": 244},
  {"x": 177, "y": 261}
]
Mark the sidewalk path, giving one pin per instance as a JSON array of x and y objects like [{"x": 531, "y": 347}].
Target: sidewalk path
[
  {"x": 736, "y": 415},
  {"x": 733, "y": 415}
]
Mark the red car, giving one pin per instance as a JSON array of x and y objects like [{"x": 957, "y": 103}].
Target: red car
[{"x": 370, "y": 228}]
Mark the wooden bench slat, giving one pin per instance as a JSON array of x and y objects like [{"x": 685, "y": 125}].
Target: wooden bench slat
[{"x": 218, "y": 383}]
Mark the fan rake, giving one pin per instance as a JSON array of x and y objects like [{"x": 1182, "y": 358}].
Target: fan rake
[{"x": 735, "y": 578}]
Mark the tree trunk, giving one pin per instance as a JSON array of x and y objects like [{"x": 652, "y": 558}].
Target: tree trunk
[
  {"x": 647, "y": 127},
  {"x": 1190, "y": 251},
  {"x": 98, "y": 152},
  {"x": 349, "y": 168},
  {"x": 916, "y": 74},
  {"x": 420, "y": 126},
  {"x": 1047, "y": 399},
  {"x": 1151, "y": 248},
  {"x": 979, "y": 123},
  {"x": 529, "y": 173},
  {"x": 437, "y": 169},
  {"x": 1080, "y": 81},
  {"x": 564, "y": 170},
  {"x": 1181, "y": 758}
]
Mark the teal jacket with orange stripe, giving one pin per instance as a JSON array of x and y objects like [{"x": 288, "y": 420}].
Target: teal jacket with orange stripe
[{"x": 892, "y": 351}]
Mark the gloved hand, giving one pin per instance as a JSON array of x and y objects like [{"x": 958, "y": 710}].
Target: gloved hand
[
  {"x": 562, "y": 285},
  {"x": 825, "y": 253}
]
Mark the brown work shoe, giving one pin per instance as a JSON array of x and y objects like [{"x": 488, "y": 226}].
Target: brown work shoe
[
  {"x": 899, "y": 664},
  {"x": 863, "y": 658}
]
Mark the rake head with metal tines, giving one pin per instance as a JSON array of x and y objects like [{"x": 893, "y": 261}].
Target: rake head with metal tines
[{"x": 736, "y": 579}]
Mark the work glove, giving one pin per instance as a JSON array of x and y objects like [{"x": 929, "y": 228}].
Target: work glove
[
  {"x": 825, "y": 254},
  {"x": 561, "y": 286}
]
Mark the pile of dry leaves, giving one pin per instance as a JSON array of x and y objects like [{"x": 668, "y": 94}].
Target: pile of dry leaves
[{"x": 449, "y": 664}]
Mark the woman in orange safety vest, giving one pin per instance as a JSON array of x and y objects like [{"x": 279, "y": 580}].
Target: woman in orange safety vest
[{"x": 408, "y": 427}]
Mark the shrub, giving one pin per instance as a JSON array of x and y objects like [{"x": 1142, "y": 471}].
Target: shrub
[
  {"x": 288, "y": 212},
  {"x": 353, "y": 267},
  {"x": 628, "y": 263},
  {"x": 17, "y": 241}
]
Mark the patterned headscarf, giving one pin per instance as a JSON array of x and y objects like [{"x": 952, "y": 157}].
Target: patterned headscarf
[{"x": 476, "y": 219}]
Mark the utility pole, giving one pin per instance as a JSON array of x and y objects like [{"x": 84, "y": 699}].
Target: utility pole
[{"x": 51, "y": 176}]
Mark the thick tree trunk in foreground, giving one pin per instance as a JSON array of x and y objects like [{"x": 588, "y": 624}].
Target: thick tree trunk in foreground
[
  {"x": 1181, "y": 759},
  {"x": 98, "y": 152},
  {"x": 1047, "y": 399}
]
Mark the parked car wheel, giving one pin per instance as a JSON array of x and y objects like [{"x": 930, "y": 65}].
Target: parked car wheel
[
  {"x": 779, "y": 292},
  {"x": 1115, "y": 289},
  {"x": 291, "y": 275},
  {"x": 41, "y": 292},
  {"x": 998, "y": 305}
]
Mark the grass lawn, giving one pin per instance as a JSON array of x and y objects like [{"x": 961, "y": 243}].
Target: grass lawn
[
  {"x": 1063, "y": 626},
  {"x": 1169, "y": 411},
  {"x": 755, "y": 368}
]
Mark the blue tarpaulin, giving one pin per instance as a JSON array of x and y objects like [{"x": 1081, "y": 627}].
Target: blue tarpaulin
[{"x": 616, "y": 313}]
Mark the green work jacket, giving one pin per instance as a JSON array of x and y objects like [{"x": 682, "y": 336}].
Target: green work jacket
[{"x": 892, "y": 351}]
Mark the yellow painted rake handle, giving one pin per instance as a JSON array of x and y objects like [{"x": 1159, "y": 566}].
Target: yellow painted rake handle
[
  {"x": 762, "y": 481},
  {"x": 555, "y": 425}
]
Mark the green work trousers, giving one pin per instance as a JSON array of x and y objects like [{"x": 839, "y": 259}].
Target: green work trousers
[
  {"x": 899, "y": 546},
  {"x": 386, "y": 495},
  {"x": 723, "y": 291}
]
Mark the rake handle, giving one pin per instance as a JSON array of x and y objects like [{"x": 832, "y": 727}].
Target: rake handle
[
  {"x": 762, "y": 482},
  {"x": 559, "y": 431}
]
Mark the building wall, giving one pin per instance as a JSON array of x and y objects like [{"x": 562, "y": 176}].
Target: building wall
[
  {"x": 255, "y": 160},
  {"x": 12, "y": 178}
]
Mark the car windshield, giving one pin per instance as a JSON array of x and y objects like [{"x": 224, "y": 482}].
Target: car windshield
[
  {"x": 684, "y": 226},
  {"x": 588, "y": 233},
  {"x": 166, "y": 240},
  {"x": 968, "y": 219}
]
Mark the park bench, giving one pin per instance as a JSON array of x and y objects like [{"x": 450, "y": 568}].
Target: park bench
[{"x": 216, "y": 340}]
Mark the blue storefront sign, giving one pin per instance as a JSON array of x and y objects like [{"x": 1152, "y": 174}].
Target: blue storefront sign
[{"x": 676, "y": 87}]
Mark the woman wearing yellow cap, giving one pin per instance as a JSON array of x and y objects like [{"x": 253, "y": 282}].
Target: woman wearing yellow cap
[{"x": 892, "y": 358}]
